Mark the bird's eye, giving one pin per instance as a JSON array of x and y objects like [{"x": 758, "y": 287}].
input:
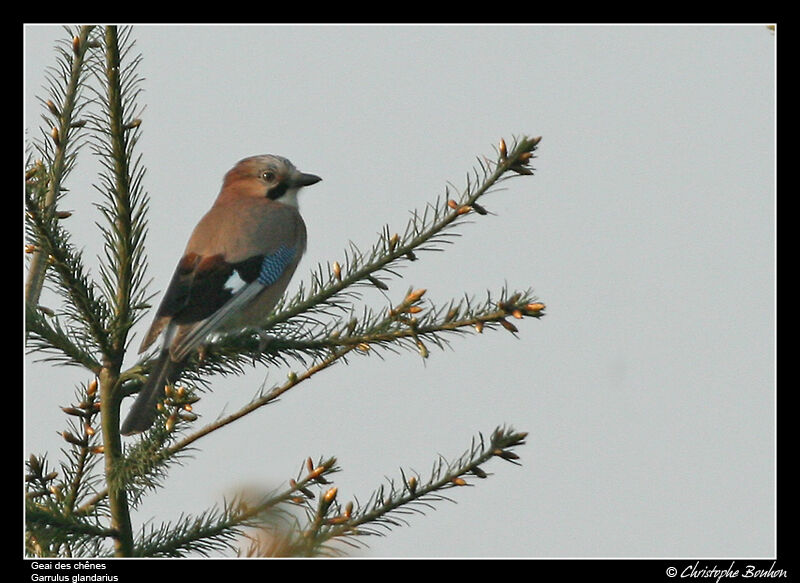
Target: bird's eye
[{"x": 268, "y": 176}]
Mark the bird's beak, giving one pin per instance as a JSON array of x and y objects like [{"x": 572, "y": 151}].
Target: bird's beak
[{"x": 306, "y": 179}]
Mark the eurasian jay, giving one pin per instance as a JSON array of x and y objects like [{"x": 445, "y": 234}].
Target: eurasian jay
[{"x": 235, "y": 268}]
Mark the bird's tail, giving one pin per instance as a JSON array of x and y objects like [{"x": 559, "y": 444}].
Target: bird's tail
[{"x": 143, "y": 412}]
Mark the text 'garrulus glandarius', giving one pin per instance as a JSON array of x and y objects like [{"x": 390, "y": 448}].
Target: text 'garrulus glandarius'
[{"x": 236, "y": 266}]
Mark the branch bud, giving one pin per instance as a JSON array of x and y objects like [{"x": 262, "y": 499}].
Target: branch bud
[
  {"x": 423, "y": 351},
  {"x": 170, "y": 424},
  {"x": 53, "y": 109},
  {"x": 377, "y": 282},
  {"x": 479, "y": 209},
  {"x": 479, "y": 472},
  {"x": 509, "y": 326},
  {"x": 330, "y": 495},
  {"x": 415, "y": 296},
  {"x": 412, "y": 484}
]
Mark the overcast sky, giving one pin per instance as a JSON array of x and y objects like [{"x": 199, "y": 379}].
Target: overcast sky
[{"x": 648, "y": 390}]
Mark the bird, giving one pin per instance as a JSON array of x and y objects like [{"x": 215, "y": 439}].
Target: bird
[{"x": 236, "y": 266}]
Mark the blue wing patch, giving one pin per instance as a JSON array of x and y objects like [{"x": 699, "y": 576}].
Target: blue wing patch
[{"x": 274, "y": 264}]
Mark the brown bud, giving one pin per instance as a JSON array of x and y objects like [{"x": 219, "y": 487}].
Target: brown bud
[
  {"x": 506, "y": 455},
  {"x": 517, "y": 313},
  {"x": 348, "y": 510},
  {"x": 479, "y": 209},
  {"x": 508, "y": 326},
  {"x": 337, "y": 270},
  {"x": 393, "y": 241},
  {"x": 76, "y": 45},
  {"x": 135, "y": 123},
  {"x": 412, "y": 484},
  {"x": 63, "y": 214},
  {"x": 170, "y": 424},
  {"x": 464, "y": 209},
  {"x": 377, "y": 283},
  {"x": 56, "y": 138},
  {"x": 520, "y": 169},
  {"x": 452, "y": 204},
  {"x": 30, "y": 248},
  {"x": 415, "y": 296},
  {"x": 479, "y": 472},
  {"x": 56, "y": 491},
  {"x": 459, "y": 481},
  {"x": 74, "y": 411},
  {"x": 503, "y": 149},
  {"x": 535, "y": 307},
  {"x": 70, "y": 438},
  {"x": 92, "y": 388},
  {"x": 315, "y": 473},
  {"x": 479, "y": 327},
  {"x": 52, "y": 107},
  {"x": 330, "y": 495}
]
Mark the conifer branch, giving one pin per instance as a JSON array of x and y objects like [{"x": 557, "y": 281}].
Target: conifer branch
[
  {"x": 329, "y": 521},
  {"x": 87, "y": 314},
  {"x": 124, "y": 209},
  {"x": 422, "y": 233},
  {"x": 124, "y": 205},
  {"x": 61, "y": 345},
  {"x": 60, "y": 148}
]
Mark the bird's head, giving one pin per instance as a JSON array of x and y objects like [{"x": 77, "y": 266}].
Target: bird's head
[{"x": 267, "y": 176}]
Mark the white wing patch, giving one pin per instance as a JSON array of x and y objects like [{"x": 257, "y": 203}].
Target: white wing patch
[{"x": 234, "y": 283}]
